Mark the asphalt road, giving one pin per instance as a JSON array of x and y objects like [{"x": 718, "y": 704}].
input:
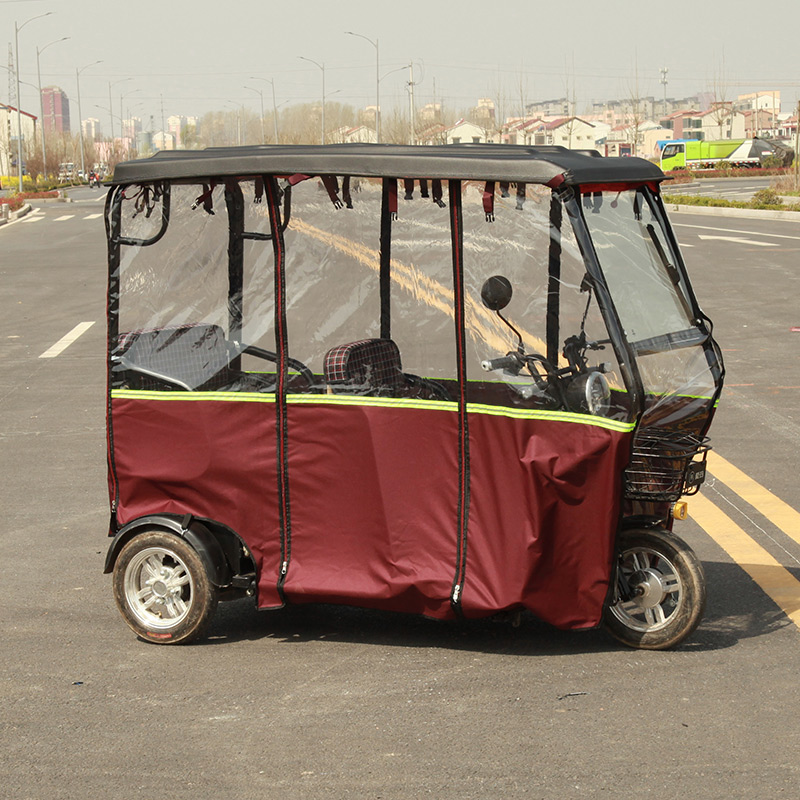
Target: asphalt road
[{"x": 333, "y": 703}]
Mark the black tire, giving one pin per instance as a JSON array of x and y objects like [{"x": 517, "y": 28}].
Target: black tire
[
  {"x": 162, "y": 588},
  {"x": 667, "y": 586}
]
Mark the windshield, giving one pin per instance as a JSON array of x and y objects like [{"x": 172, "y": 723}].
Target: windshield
[
  {"x": 652, "y": 301},
  {"x": 640, "y": 270}
]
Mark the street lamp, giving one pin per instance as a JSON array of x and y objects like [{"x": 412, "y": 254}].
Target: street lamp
[
  {"x": 274, "y": 107},
  {"x": 110, "y": 105},
  {"x": 322, "y": 67},
  {"x": 377, "y": 83},
  {"x": 239, "y": 115},
  {"x": 261, "y": 96},
  {"x": 17, "y": 29},
  {"x": 80, "y": 121},
  {"x": 41, "y": 100},
  {"x": 121, "y": 114}
]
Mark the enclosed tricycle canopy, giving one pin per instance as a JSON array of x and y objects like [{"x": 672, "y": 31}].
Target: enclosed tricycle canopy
[
  {"x": 457, "y": 162},
  {"x": 299, "y": 355}
]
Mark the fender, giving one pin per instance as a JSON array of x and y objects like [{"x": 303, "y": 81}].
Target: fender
[{"x": 188, "y": 528}]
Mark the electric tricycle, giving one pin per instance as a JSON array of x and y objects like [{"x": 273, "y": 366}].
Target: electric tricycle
[{"x": 459, "y": 381}]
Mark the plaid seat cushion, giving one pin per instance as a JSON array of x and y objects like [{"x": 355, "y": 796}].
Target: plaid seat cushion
[{"x": 364, "y": 366}]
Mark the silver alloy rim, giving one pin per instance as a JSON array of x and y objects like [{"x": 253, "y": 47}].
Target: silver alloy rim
[
  {"x": 158, "y": 588},
  {"x": 657, "y": 591}
]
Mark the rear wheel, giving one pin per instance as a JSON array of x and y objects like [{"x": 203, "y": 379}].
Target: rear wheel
[
  {"x": 665, "y": 587},
  {"x": 162, "y": 588}
]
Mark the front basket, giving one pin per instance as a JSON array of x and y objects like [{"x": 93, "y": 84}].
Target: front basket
[{"x": 665, "y": 464}]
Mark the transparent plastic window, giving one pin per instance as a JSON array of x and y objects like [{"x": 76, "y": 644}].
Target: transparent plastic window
[
  {"x": 516, "y": 245},
  {"x": 175, "y": 314},
  {"x": 333, "y": 293}
]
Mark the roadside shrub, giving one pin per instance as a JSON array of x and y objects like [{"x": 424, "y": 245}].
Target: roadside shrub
[
  {"x": 772, "y": 162},
  {"x": 785, "y": 184},
  {"x": 12, "y": 181},
  {"x": 14, "y": 202},
  {"x": 766, "y": 197},
  {"x": 717, "y": 202},
  {"x": 48, "y": 195}
]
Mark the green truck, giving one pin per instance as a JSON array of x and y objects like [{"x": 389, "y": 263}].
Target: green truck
[{"x": 698, "y": 154}]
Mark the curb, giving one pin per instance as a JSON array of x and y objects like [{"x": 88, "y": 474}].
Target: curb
[
  {"x": 26, "y": 209},
  {"x": 15, "y": 215}
]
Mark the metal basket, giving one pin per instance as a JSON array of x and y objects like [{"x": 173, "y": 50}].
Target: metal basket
[{"x": 665, "y": 464}]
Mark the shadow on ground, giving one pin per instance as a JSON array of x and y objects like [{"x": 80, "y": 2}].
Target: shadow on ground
[{"x": 737, "y": 609}]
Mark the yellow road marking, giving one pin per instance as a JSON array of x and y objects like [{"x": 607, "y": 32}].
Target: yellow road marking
[
  {"x": 481, "y": 323},
  {"x": 779, "y": 513},
  {"x": 773, "y": 578}
]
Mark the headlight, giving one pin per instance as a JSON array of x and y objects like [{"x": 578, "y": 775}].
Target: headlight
[{"x": 589, "y": 393}]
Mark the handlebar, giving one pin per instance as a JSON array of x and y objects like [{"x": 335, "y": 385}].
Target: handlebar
[{"x": 510, "y": 363}]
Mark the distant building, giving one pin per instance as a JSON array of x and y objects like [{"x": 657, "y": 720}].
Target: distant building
[
  {"x": 573, "y": 133},
  {"x": 430, "y": 114},
  {"x": 176, "y": 127},
  {"x": 765, "y": 100},
  {"x": 549, "y": 108},
  {"x": 360, "y": 134},
  {"x": 91, "y": 129},
  {"x": 687, "y": 124},
  {"x": 55, "y": 105},
  {"x": 131, "y": 128},
  {"x": 8, "y": 136},
  {"x": 163, "y": 141},
  {"x": 466, "y": 132}
]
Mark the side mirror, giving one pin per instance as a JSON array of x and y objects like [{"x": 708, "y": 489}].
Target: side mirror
[{"x": 496, "y": 292}]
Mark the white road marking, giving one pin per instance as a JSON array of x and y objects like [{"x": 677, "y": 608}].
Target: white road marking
[
  {"x": 65, "y": 216},
  {"x": 65, "y": 341},
  {"x": 734, "y": 230},
  {"x": 739, "y": 240},
  {"x": 93, "y": 216},
  {"x": 31, "y": 218}
]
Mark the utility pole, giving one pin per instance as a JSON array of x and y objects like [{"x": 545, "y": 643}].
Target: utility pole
[
  {"x": 664, "y": 72},
  {"x": 377, "y": 82},
  {"x": 411, "y": 85},
  {"x": 322, "y": 67}
]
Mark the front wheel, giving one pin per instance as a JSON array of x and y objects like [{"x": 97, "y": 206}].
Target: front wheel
[
  {"x": 162, "y": 588},
  {"x": 661, "y": 590}
]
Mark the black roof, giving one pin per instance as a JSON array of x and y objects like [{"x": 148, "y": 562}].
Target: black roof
[{"x": 457, "y": 161}]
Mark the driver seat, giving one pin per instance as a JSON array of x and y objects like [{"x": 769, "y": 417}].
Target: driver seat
[{"x": 193, "y": 357}]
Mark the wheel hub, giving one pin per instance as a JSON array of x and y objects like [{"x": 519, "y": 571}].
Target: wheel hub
[
  {"x": 648, "y": 588},
  {"x": 159, "y": 594}
]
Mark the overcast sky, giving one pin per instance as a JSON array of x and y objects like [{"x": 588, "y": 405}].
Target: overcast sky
[{"x": 198, "y": 55}]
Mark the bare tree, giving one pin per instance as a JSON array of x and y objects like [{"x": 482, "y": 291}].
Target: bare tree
[
  {"x": 721, "y": 109},
  {"x": 638, "y": 112}
]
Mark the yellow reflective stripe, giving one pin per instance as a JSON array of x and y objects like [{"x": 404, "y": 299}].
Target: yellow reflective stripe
[
  {"x": 228, "y": 397},
  {"x": 360, "y": 400},
  {"x": 379, "y": 402},
  {"x": 553, "y": 416}
]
